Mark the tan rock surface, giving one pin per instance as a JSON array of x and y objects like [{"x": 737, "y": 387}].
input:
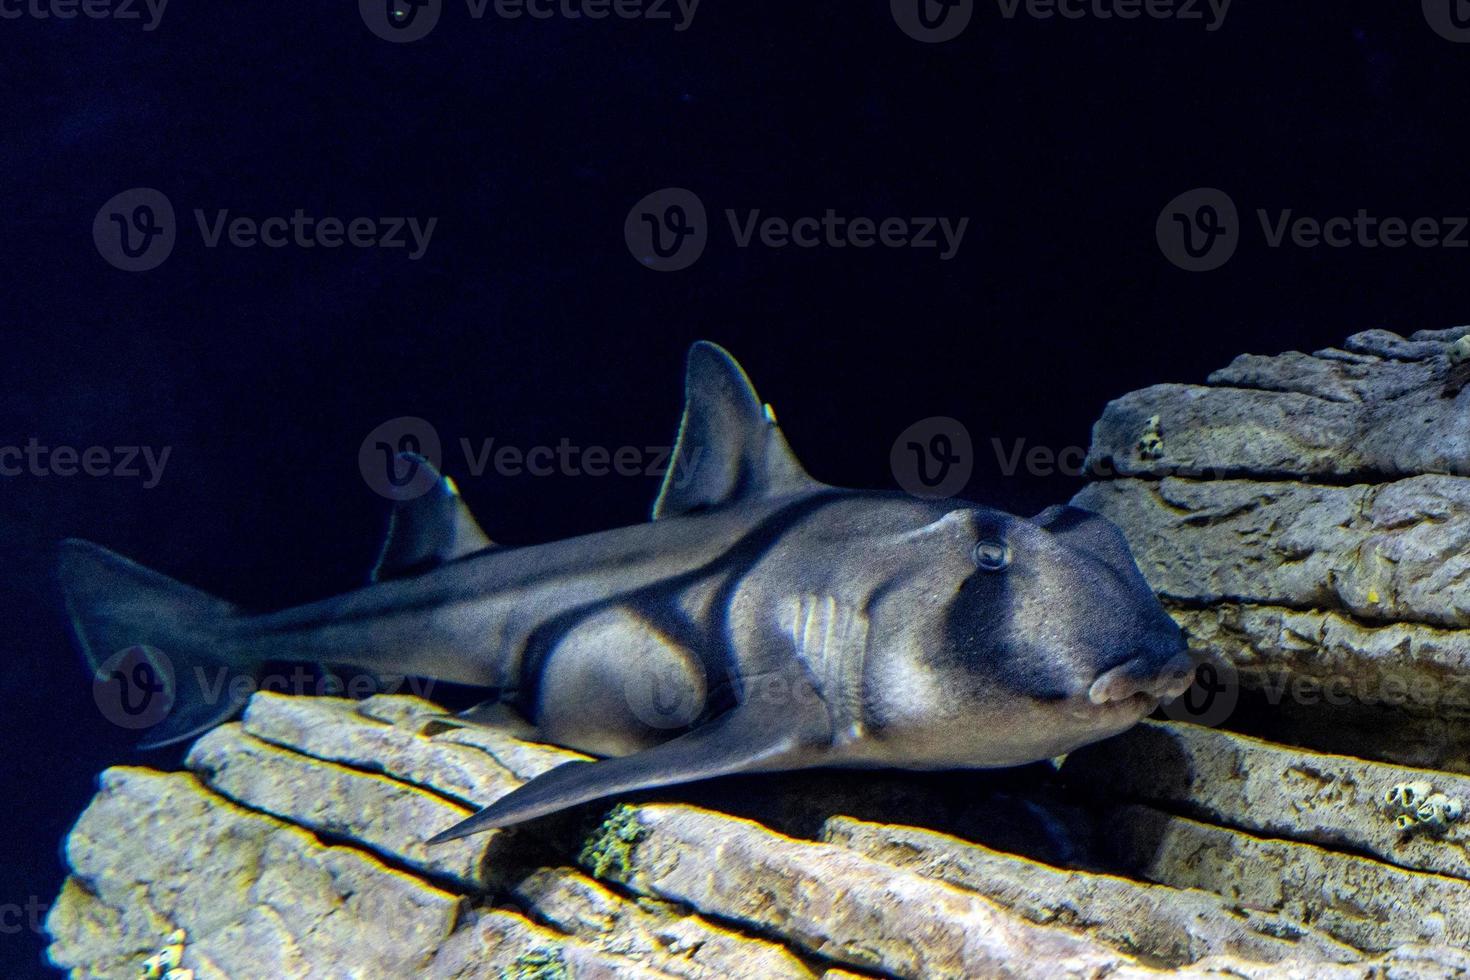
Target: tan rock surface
[
  {"x": 294, "y": 856},
  {"x": 1383, "y": 552},
  {"x": 255, "y": 896},
  {"x": 1172, "y": 926},
  {"x": 1364, "y": 903},
  {"x": 836, "y": 903},
  {"x": 1279, "y": 791},
  {"x": 1386, "y": 406}
]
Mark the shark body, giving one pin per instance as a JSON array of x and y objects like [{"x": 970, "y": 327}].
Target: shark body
[{"x": 761, "y": 621}]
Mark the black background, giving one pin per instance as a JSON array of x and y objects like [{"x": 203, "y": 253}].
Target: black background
[{"x": 529, "y": 321}]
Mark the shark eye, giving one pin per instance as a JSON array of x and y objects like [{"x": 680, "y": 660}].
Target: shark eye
[{"x": 991, "y": 555}]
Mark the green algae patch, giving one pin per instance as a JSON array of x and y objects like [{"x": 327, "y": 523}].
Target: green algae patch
[
  {"x": 544, "y": 963},
  {"x": 608, "y": 851}
]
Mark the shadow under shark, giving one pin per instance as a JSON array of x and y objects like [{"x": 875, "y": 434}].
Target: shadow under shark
[{"x": 761, "y": 621}]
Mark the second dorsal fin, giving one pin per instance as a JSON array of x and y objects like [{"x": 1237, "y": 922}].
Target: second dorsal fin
[
  {"x": 429, "y": 530},
  {"x": 730, "y": 447}
]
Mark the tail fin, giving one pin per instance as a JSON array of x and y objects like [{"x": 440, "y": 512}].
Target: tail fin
[{"x": 165, "y": 627}]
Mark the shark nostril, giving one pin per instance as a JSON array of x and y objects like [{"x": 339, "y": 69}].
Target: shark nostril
[
  {"x": 1119, "y": 683},
  {"x": 1145, "y": 674}
]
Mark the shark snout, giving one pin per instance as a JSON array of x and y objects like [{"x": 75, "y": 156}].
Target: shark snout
[{"x": 1145, "y": 676}]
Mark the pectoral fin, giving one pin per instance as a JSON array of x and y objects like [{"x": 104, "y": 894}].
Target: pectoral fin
[
  {"x": 497, "y": 715},
  {"x": 750, "y": 737}
]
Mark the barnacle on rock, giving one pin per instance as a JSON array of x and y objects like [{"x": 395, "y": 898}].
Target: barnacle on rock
[
  {"x": 1408, "y": 795},
  {"x": 1151, "y": 441},
  {"x": 1421, "y": 808},
  {"x": 164, "y": 964},
  {"x": 1439, "y": 811}
]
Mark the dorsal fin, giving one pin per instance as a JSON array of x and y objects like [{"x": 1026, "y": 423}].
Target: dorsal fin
[
  {"x": 428, "y": 530},
  {"x": 730, "y": 447}
]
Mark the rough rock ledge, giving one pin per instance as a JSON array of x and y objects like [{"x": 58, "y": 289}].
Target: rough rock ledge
[{"x": 292, "y": 847}]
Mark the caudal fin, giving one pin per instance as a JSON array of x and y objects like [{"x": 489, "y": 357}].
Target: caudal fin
[{"x": 137, "y": 627}]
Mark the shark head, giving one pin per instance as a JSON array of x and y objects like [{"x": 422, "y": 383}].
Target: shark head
[
  {"x": 1061, "y": 615},
  {"x": 994, "y": 640}
]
